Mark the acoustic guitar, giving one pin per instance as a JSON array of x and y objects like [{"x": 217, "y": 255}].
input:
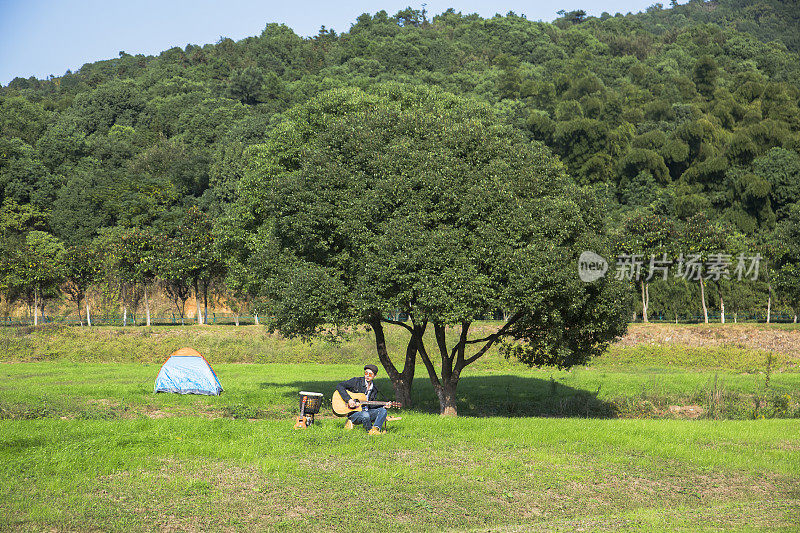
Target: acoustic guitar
[
  {"x": 302, "y": 422},
  {"x": 340, "y": 407}
]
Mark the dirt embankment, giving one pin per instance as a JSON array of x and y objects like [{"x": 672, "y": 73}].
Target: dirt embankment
[{"x": 780, "y": 339}]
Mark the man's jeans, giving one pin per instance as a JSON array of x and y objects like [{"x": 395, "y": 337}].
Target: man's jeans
[{"x": 371, "y": 417}]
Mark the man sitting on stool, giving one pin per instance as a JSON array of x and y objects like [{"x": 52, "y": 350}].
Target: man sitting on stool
[{"x": 372, "y": 418}]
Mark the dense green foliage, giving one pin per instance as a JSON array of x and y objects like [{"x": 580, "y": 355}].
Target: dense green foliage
[
  {"x": 667, "y": 113},
  {"x": 768, "y": 20}
]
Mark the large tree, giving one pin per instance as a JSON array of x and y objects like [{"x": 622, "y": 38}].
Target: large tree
[{"x": 409, "y": 198}]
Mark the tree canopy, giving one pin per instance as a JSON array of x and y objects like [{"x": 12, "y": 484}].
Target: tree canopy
[{"x": 408, "y": 198}]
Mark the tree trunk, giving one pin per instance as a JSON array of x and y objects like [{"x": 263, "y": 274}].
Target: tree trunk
[
  {"x": 35, "y": 307},
  {"x": 455, "y": 360},
  {"x": 88, "y": 316},
  {"x": 197, "y": 302},
  {"x": 769, "y": 301},
  {"x": 447, "y": 399},
  {"x": 205, "y": 303},
  {"x": 703, "y": 299},
  {"x": 124, "y": 316},
  {"x": 255, "y": 315},
  {"x": 236, "y": 318},
  {"x": 80, "y": 316},
  {"x": 645, "y": 301},
  {"x": 401, "y": 380},
  {"x": 721, "y": 308},
  {"x": 402, "y": 392},
  {"x": 795, "y": 319},
  {"x": 147, "y": 306}
]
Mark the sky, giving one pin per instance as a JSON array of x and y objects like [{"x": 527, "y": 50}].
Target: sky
[{"x": 43, "y": 37}]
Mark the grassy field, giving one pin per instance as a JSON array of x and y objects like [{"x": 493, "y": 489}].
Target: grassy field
[
  {"x": 650, "y": 437},
  {"x": 742, "y": 347},
  {"x": 657, "y": 371}
]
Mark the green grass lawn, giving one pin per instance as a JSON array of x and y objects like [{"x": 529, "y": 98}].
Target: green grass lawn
[
  {"x": 87, "y": 445},
  {"x": 191, "y": 473}
]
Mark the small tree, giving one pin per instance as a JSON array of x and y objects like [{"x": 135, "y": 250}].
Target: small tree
[
  {"x": 13, "y": 279},
  {"x": 210, "y": 266},
  {"x": 16, "y": 269},
  {"x": 737, "y": 245},
  {"x": 129, "y": 264},
  {"x": 772, "y": 250},
  {"x": 80, "y": 272},
  {"x": 41, "y": 268},
  {"x": 172, "y": 272},
  {"x": 193, "y": 257},
  {"x": 698, "y": 239},
  {"x": 137, "y": 263},
  {"x": 787, "y": 278},
  {"x": 650, "y": 238}
]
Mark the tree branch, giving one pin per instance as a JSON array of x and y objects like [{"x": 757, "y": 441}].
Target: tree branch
[
  {"x": 462, "y": 342},
  {"x": 411, "y": 351},
  {"x": 459, "y": 349},
  {"x": 428, "y": 364},
  {"x": 383, "y": 353},
  {"x": 491, "y": 339},
  {"x": 398, "y": 323},
  {"x": 441, "y": 341},
  {"x": 500, "y": 332}
]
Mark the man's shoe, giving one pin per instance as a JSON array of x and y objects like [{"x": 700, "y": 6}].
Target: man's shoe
[
  {"x": 348, "y": 424},
  {"x": 375, "y": 431}
]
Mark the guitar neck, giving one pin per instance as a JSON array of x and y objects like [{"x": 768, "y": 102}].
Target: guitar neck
[{"x": 341, "y": 406}]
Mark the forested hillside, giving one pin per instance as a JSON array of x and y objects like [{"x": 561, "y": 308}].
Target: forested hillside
[
  {"x": 683, "y": 120},
  {"x": 769, "y": 20}
]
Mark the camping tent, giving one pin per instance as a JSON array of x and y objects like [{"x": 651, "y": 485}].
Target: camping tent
[{"x": 187, "y": 372}]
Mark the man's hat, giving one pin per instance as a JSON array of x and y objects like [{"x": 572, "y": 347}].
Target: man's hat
[{"x": 371, "y": 367}]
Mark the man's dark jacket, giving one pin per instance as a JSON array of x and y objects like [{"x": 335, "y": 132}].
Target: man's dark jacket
[{"x": 357, "y": 384}]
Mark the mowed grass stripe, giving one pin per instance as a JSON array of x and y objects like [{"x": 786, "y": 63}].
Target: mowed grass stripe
[{"x": 125, "y": 390}]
